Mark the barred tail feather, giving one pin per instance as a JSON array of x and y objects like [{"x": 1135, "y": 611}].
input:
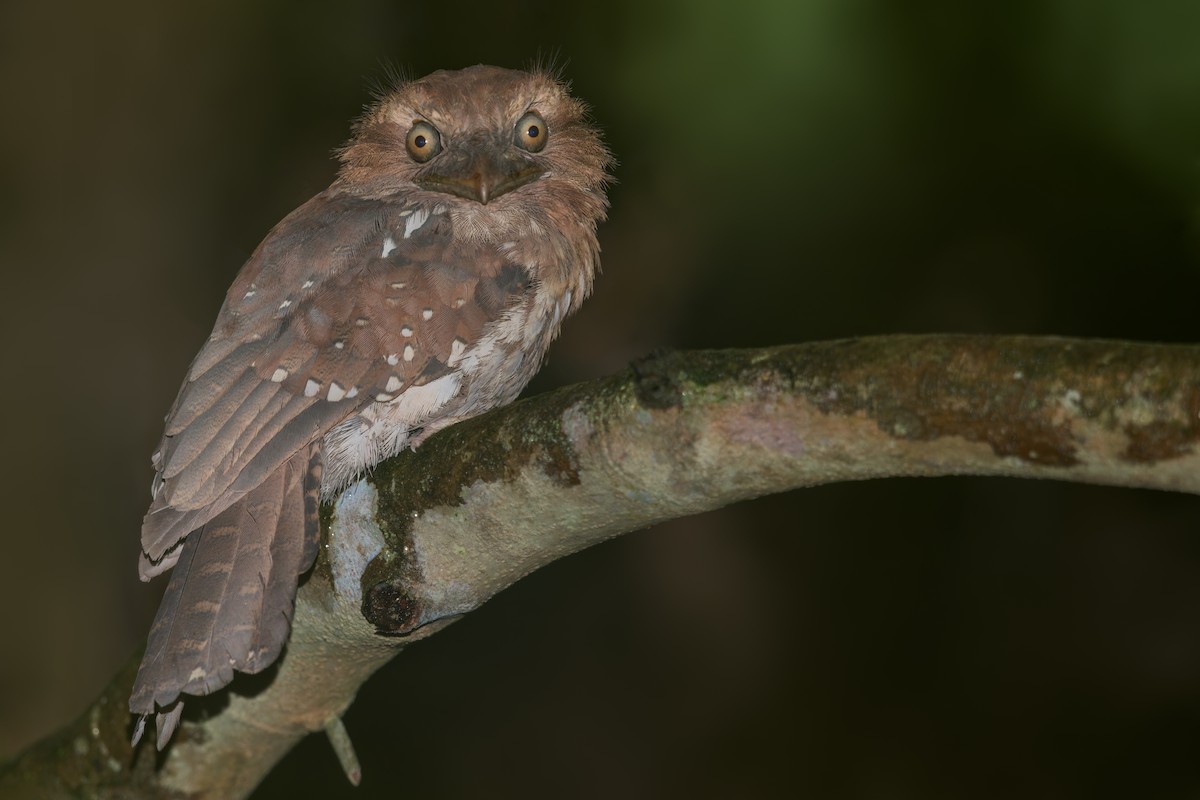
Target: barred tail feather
[{"x": 229, "y": 604}]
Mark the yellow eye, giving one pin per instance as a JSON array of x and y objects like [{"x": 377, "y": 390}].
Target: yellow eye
[
  {"x": 423, "y": 142},
  {"x": 531, "y": 133}
]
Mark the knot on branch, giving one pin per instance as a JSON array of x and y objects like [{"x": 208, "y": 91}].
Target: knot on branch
[
  {"x": 656, "y": 383},
  {"x": 391, "y": 609}
]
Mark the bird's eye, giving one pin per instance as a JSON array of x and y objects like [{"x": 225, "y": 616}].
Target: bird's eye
[
  {"x": 423, "y": 142},
  {"x": 530, "y": 133}
]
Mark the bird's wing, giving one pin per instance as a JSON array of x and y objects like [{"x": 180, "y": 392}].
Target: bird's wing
[{"x": 345, "y": 303}]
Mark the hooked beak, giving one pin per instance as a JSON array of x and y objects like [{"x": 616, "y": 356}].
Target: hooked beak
[{"x": 480, "y": 173}]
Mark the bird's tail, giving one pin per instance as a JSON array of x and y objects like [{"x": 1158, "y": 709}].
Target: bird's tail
[{"x": 232, "y": 592}]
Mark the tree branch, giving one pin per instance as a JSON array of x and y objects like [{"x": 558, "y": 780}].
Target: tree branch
[{"x": 435, "y": 533}]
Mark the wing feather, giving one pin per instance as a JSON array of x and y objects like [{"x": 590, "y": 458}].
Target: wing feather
[
  {"x": 197, "y": 396},
  {"x": 216, "y": 456},
  {"x": 181, "y": 449},
  {"x": 307, "y": 425}
]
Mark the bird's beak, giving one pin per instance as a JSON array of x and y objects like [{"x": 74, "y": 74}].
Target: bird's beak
[{"x": 480, "y": 171}]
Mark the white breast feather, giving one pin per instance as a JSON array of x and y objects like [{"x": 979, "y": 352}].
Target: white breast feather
[{"x": 382, "y": 429}]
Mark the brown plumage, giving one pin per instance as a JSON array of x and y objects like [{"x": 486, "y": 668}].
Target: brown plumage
[{"x": 422, "y": 287}]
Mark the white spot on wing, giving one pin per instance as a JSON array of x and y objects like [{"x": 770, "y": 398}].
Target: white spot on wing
[
  {"x": 389, "y": 244},
  {"x": 393, "y": 383},
  {"x": 311, "y": 388},
  {"x": 409, "y": 352},
  {"x": 339, "y": 344},
  {"x": 457, "y": 348},
  {"x": 406, "y": 331},
  {"x": 280, "y": 375},
  {"x": 352, "y": 393},
  {"x": 383, "y": 398},
  {"x": 419, "y": 217},
  {"x": 393, "y": 359},
  {"x": 307, "y": 285},
  {"x": 335, "y": 392},
  {"x": 284, "y": 304},
  {"x": 427, "y": 314}
]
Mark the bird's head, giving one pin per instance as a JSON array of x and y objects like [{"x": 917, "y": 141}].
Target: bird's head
[{"x": 481, "y": 137}]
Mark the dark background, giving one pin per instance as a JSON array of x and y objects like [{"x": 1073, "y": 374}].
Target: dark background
[{"x": 790, "y": 171}]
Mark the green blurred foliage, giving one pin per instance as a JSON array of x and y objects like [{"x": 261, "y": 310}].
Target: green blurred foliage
[{"x": 788, "y": 171}]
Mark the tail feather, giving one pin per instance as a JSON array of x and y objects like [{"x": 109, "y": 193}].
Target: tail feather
[
  {"x": 229, "y": 604},
  {"x": 300, "y": 513}
]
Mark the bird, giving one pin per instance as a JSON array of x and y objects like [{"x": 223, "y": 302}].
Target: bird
[{"x": 421, "y": 288}]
